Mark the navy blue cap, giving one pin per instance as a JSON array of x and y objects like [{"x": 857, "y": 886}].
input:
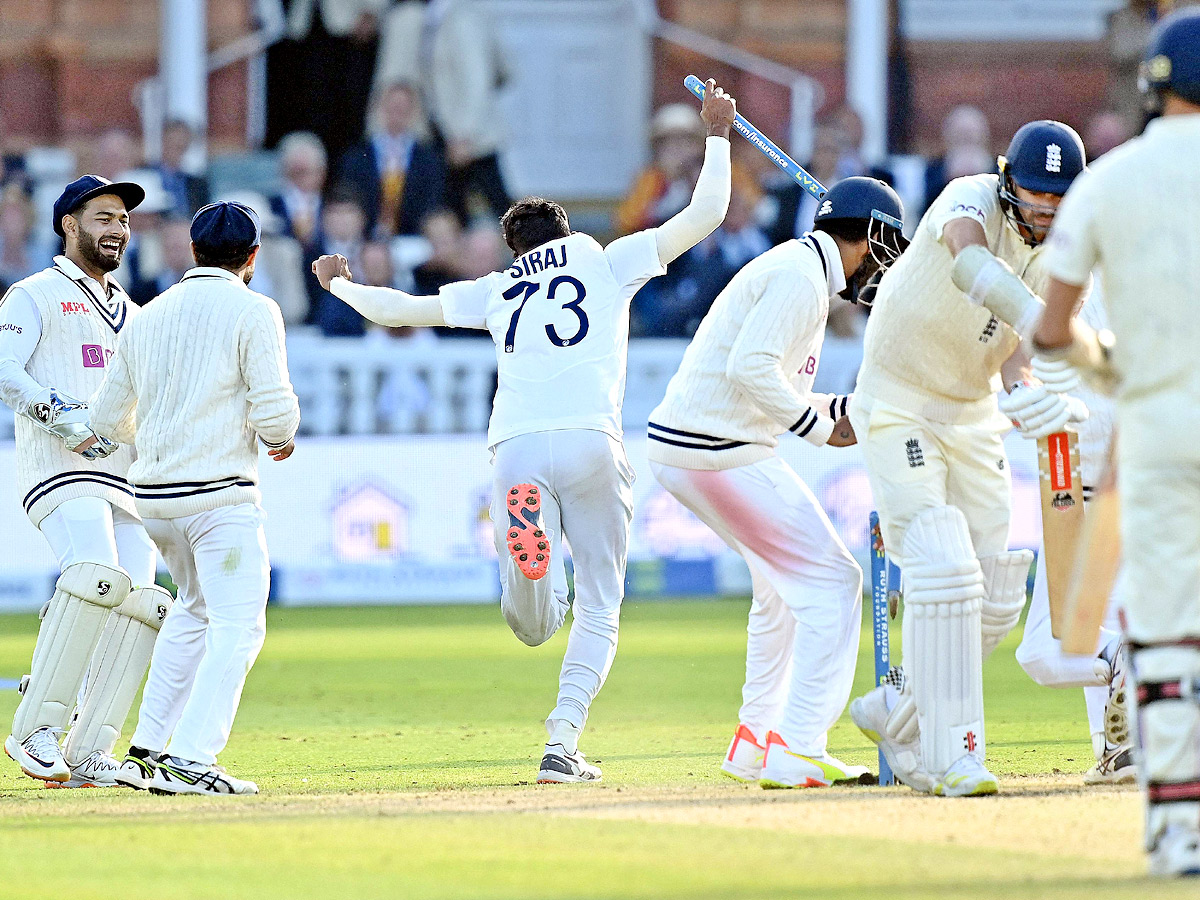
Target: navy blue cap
[
  {"x": 226, "y": 229},
  {"x": 84, "y": 188}
]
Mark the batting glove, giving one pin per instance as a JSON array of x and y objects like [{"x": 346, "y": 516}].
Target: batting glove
[
  {"x": 1037, "y": 412},
  {"x": 1056, "y": 375}
]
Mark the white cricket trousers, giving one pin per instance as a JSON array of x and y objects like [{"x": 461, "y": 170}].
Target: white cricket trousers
[
  {"x": 807, "y": 608},
  {"x": 88, "y": 529},
  {"x": 212, "y": 634},
  {"x": 1041, "y": 656},
  {"x": 586, "y": 484}
]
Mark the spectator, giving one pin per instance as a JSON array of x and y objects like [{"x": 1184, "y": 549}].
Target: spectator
[
  {"x": 319, "y": 77},
  {"x": 399, "y": 178},
  {"x": 788, "y": 209},
  {"x": 343, "y": 230},
  {"x": 21, "y": 254},
  {"x": 116, "y": 151},
  {"x": 12, "y": 164},
  {"x": 188, "y": 191},
  {"x": 444, "y": 265},
  {"x": 1105, "y": 131},
  {"x": 966, "y": 150},
  {"x": 143, "y": 264},
  {"x": 665, "y": 186},
  {"x": 303, "y": 161},
  {"x": 451, "y": 47}
]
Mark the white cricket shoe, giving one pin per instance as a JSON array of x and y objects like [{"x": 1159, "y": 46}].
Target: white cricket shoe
[
  {"x": 870, "y": 713},
  {"x": 966, "y": 777},
  {"x": 137, "y": 770},
  {"x": 173, "y": 775},
  {"x": 1115, "y": 765},
  {"x": 784, "y": 768},
  {"x": 39, "y": 755},
  {"x": 98, "y": 770},
  {"x": 1176, "y": 853},
  {"x": 1116, "y": 710},
  {"x": 560, "y": 767},
  {"x": 744, "y": 759}
]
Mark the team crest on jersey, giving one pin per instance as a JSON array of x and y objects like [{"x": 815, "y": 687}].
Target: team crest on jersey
[
  {"x": 1053, "y": 158},
  {"x": 826, "y": 209},
  {"x": 916, "y": 457}
]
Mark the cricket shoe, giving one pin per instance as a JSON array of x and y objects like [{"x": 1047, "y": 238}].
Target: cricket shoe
[
  {"x": 895, "y": 731},
  {"x": 1176, "y": 853},
  {"x": 1115, "y": 766},
  {"x": 561, "y": 767},
  {"x": 1116, "y": 710},
  {"x": 137, "y": 770},
  {"x": 98, "y": 770},
  {"x": 744, "y": 761},
  {"x": 783, "y": 768},
  {"x": 173, "y": 775},
  {"x": 39, "y": 755},
  {"x": 966, "y": 777},
  {"x": 527, "y": 541}
]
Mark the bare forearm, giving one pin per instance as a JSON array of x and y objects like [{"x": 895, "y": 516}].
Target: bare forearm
[
  {"x": 1054, "y": 329},
  {"x": 387, "y": 306}
]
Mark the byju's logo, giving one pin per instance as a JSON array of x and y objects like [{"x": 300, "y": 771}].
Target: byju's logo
[{"x": 1053, "y": 158}]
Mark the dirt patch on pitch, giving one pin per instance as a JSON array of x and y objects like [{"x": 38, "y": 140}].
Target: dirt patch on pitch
[{"x": 1051, "y": 815}]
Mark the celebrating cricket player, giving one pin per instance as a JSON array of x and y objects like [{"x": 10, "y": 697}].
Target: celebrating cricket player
[
  {"x": 925, "y": 412},
  {"x": 745, "y": 379},
  {"x": 1133, "y": 216},
  {"x": 560, "y": 318},
  {"x": 199, "y": 379},
  {"x": 58, "y": 332}
]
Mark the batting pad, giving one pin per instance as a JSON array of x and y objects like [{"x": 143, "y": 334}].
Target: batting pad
[
  {"x": 118, "y": 666},
  {"x": 83, "y": 596},
  {"x": 1004, "y": 576},
  {"x": 943, "y": 595}
]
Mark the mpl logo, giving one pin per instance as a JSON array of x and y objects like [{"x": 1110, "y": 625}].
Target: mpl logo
[
  {"x": 1053, "y": 158},
  {"x": 74, "y": 307}
]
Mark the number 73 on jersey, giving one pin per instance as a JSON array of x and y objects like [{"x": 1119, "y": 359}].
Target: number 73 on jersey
[{"x": 560, "y": 286}]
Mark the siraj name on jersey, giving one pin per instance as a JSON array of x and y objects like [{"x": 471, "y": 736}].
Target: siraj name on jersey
[{"x": 537, "y": 260}]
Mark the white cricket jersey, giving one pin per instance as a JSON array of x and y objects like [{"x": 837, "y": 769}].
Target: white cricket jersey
[
  {"x": 200, "y": 377},
  {"x": 1134, "y": 217},
  {"x": 747, "y": 375},
  {"x": 560, "y": 318},
  {"x": 59, "y": 328},
  {"x": 928, "y": 349}
]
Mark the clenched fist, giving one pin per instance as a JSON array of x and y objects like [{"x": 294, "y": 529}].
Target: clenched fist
[{"x": 327, "y": 268}]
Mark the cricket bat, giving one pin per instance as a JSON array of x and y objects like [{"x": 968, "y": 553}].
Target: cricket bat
[
  {"x": 1062, "y": 517},
  {"x": 1096, "y": 567}
]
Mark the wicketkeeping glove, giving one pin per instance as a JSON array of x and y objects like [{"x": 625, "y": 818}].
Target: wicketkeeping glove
[
  {"x": 67, "y": 419},
  {"x": 1038, "y": 412}
]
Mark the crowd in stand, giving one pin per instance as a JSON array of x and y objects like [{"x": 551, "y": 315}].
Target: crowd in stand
[{"x": 386, "y": 140}]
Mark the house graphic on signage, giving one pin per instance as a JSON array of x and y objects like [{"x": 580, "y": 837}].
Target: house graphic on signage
[{"x": 370, "y": 525}]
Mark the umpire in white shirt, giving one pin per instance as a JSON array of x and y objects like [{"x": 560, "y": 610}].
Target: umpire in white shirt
[{"x": 199, "y": 379}]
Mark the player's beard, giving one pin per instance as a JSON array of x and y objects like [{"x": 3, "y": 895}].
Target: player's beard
[
  {"x": 858, "y": 278},
  {"x": 89, "y": 249}
]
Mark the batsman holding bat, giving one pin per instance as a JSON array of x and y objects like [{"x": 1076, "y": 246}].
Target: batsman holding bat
[
  {"x": 560, "y": 318},
  {"x": 1133, "y": 217},
  {"x": 926, "y": 415}
]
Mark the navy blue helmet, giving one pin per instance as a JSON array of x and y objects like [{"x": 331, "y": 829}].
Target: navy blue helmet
[
  {"x": 870, "y": 199},
  {"x": 1172, "y": 60},
  {"x": 1043, "y": 157}
]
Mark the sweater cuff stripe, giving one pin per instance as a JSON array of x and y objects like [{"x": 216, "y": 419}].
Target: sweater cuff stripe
[
  {"x": 808, "y": 428},
  {"x": 273, "y": 446},
  {"x": 800, "y": 423}
]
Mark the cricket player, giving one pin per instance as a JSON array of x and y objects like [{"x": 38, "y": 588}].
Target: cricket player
[
  {"x": 1134, "y": 217},
  {"x": 1103, "y": 676},
  {"x": 58, "y": 332},
  {"x": 925, "y": 412},
  {"x": 199, "y": 379},
  {"x": 745, "y": 379},
  {"x": 560, "y": 318}
]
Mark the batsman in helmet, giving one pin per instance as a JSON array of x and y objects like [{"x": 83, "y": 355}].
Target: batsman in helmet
[{"x": 926, "y": 414}]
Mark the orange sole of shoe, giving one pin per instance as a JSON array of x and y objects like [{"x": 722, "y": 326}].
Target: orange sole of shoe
[{"x": 527, "y": 542}]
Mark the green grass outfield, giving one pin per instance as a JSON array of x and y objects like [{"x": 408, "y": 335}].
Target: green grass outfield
[{"x": 395, "y": 748}]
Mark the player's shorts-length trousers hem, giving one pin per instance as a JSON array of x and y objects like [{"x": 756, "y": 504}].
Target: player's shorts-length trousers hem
[{"x": 915, "y": 464}]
